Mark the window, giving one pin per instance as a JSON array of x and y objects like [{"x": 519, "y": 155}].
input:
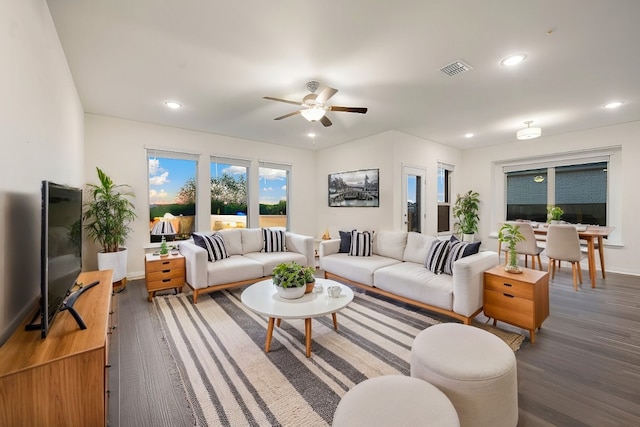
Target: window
[
  {"x": 172, "y": 194},
  {"x": 444, "y": 197},
  {"x": 229, "y": 192},
  {"x": 274, "y": 195},
  {"x": 581, "y": 192},
  {"x": 579, "y": 189},
  {"x": 527, "y": 195}
]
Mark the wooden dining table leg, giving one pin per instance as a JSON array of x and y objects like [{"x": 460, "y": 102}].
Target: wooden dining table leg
[
  {"x": 592, "y": 261},
  {"x": 601, "y": 253}
]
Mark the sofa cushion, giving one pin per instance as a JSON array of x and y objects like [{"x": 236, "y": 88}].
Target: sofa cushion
[
  {"x": 356, "y": 269},
  {"x": 437, "y": 256},
  {"x": 391, "y": 244},
  {"x": 273, "y": 240},
  {"x": 236, "y": 268},
  {"x": 269, "y": 260},
  {"x": 251, "y": 240},
  {"x": 412, "y": 280},
  {"x": 361, "y": 243},
  {"x": 345, "y": 242},
  {"x": 214, "y": 245},
  {"x": 232, "y": 240},
  {"x": 418, "y": 246}
]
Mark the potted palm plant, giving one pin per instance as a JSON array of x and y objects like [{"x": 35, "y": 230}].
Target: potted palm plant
[
  {"x": 511, "y": 235},
  {"x": 465, "y": 211},
  {"x": 289, "y": 279},
  {"x": 108, "y": 211}
]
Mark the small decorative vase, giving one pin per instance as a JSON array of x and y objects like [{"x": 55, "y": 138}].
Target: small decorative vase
[
  {"x": 309, "y": 287},
  {"x": 291, "y": 293}
]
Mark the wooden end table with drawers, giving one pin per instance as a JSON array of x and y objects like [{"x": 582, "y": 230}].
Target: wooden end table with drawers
[
  {"x": 167, "y": 272},
  {"x": 518, "y": 299}
]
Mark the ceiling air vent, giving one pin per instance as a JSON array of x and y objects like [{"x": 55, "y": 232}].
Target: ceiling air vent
[{"x": 455, "y": 67}]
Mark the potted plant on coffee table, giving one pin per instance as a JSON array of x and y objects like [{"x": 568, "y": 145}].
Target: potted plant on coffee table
[
  {"x": 309, "y": 278},
  {"x": 465, "y": 211},
  {"x": 108, "y": 211},
  {"x": 289, "y": 279},
  {"x": 511, "y": 235}
]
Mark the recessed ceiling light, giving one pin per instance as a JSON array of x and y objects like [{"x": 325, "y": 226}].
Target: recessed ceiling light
[
  {"x": 311, "y": 135},
  {"x": 612, "y": 105},
  {"x": 173, "y": 104},
  {"x": 512, "y": 60},
  {"x": 468, "y": 135}
]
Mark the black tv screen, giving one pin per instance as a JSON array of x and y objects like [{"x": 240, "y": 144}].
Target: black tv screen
[{"x": 61, "y": 247}]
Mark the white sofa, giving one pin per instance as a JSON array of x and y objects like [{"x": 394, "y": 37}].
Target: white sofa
[
  {"x": 247, "y": 263},
  {"x": 397, "y": 269}
]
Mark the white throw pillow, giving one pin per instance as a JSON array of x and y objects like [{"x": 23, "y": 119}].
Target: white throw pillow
[
  {"x": 251, "y": 240},
  {"x": 232, "y": 240},
  {"x": 390, "y": 244},
  {"x": 417, "y": 247}
]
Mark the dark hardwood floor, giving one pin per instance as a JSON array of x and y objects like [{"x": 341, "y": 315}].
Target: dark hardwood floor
[{"x": 583, "y": 370}]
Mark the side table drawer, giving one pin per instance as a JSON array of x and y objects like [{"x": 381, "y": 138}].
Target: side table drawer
[
  {"x": 509, "y": 308},
  {"x": 165, "y": 274},
  {"x": 157, "y": 285},
  {"x": 511, "y": 287},
  {"x": 168, "y": 264}
]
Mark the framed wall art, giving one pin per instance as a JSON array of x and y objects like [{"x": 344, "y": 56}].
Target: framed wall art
[{"x": 354, "y": 189}]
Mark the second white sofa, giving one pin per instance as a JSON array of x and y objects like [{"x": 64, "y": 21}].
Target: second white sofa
[{"x": 396, "y": 269}]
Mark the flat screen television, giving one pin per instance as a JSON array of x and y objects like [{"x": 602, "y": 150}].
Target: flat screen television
[{"x": 61, "y": 248}]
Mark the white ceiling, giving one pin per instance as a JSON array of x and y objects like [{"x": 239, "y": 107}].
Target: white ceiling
[{"x": 219, "y": 58}]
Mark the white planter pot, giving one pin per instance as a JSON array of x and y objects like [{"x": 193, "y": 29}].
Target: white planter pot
[
  {"x": 291, "y": 293},
  {"x": 116, "y": 261},
  {"x": 468, "y": 238}
]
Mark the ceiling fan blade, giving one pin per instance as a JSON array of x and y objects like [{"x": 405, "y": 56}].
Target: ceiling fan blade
[
  {"x": 287, "y": 115},
  {"x": 326, "y": 93},
  {"x": 325, "y": 121},
  {"x": 361, "y": 110},
  {"x": 281, "y": 100}
]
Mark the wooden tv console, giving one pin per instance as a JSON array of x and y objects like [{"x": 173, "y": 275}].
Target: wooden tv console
[{"x": 60, "y": 380}]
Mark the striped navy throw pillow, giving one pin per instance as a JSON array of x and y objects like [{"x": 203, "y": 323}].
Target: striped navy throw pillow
[
  {"x": 456, "y": 251},
  {"x": 273, "y": 240},
  {"x": 437, "y": 256},
  {"x": 360, "y": 243},
  {"x": 214, "y": 244}
]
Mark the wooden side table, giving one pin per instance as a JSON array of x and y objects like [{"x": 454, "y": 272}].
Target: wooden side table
[
  {"x": 518, "y": 299},
  {"x": 162, "y": 273}
]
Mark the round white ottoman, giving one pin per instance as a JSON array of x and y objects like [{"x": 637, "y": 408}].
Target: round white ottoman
[
  {"x": 395, "y": 400},
  {"x": 474, "y": 368}
]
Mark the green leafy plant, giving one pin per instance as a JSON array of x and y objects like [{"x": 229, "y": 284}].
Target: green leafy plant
[
  {"x": 309, "y": 274},
  {"x": 108, "y": 212},
  {"x": 554, "y": 213},
  {"x": 511, "y": 235},
  {"x": 465, "y": 211},
  {"x": 289, "y": 275}
]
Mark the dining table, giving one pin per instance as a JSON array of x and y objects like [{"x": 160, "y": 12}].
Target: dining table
[{"x": 591, "y": 234}]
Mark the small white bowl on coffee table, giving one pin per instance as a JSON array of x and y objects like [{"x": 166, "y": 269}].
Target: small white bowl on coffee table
[{"x": 262, "y": 298}]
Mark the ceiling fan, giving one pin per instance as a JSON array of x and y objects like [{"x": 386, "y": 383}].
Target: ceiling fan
[{"x": 314, "y": 106}]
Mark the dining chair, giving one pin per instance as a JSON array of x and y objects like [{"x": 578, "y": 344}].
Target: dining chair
[
  {"x": 563, "y": 244},
  {"x": 528, "y": 247}
]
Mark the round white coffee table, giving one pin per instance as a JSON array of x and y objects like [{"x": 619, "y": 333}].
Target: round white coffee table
[{"x": 263, "y": 298}]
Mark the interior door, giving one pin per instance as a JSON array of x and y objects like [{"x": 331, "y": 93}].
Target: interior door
[{"x": 413, "y": 198}]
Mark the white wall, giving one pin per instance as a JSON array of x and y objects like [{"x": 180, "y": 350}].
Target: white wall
[
  {"x": 387, "y": 151},
  {"x": 118, "y": 148},
  {"x": 41, "y": 132},
  {"x": 478, "y": 172}
]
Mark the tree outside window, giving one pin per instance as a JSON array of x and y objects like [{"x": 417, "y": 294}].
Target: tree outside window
[
  {"x": 273, "y": 195},
  {"x": 228, "y": 195}
]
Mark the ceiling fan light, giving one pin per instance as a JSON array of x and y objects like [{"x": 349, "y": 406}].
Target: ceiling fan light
[{"x": 313, "y": 114}]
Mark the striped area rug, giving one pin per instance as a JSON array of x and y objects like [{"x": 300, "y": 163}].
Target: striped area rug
[{"x": 218, "y": 347}]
